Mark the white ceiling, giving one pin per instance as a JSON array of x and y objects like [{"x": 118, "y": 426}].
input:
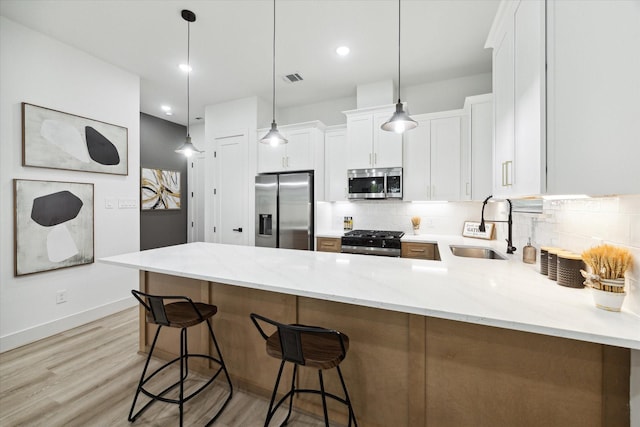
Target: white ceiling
[{"x": 231, "y": 44}]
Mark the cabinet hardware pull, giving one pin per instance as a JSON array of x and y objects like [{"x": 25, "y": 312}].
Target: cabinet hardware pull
[
  {"x": 509, "y": 176},
  {"x": 467, "y": 189},
  {"x": 416, "y": 250},
  {"x": 504, "y": 164},
  {"x": 287, "y": 161},
  {"x": 282, "y": 158},
  {"x": 371, "y": 164},
  {"x": 239, "y": 229},
  {"x": 375, "y": 158}
]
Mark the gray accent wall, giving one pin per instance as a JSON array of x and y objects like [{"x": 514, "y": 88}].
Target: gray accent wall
[{"x": 158, "y": 140}]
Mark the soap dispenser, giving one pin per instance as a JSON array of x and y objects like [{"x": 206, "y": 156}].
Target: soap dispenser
[{"x": 529, "y": 253}]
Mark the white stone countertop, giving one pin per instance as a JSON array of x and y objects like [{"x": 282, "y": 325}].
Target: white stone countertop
[{"x": 502, "y": 293}]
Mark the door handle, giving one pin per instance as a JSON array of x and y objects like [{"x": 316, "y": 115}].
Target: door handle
[{"x": 239, "y": 229}]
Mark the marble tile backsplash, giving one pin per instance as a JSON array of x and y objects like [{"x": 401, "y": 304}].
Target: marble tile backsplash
[
  {"x": 573, "y": 224},
  {"x": 578, "y": 224}
]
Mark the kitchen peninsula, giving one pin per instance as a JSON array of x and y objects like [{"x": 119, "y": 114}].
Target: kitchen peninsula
[{"x": 433, "y": 343}]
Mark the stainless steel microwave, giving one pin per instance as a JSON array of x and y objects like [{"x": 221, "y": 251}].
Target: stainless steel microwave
[{"x": 382, "y": 183}]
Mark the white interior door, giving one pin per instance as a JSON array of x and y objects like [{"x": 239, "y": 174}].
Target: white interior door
[
  {"x": 231, "y": 190},
  {"x": 196, "y": 181}
]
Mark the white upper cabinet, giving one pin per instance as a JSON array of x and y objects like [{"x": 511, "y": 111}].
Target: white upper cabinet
[
  {"x": 518, "y": 86},
  {"x": 570, "y": 125},
  {"x": 335, "y": 149},
  {"x": 368, "y": 146},
  {"x": 304, "y": 151},
  {"x": 477, "y": 147},
  {"x": 433, "y": 165},
  {"x": 593, "y": 89}
]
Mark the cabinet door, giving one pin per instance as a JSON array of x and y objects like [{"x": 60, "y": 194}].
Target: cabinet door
[
  {"x": 481, "y": 122},
  {"x": 387, "y": 146},
  {"x": 360, "y": 140},
  {"x": 417, "y": 162},
  {"x": 528, "y": 72},
  {"x": 503, "y": 107},
  {"x": 299, "y": 150},
  {"x": 271, "y": 159},
  {"x": 446, "y": 136},
  {"x": 336, "y": 165}
]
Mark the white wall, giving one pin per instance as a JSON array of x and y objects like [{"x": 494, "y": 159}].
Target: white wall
[
  {"x": 328, "y": 112},
  {"x": 424, "y": 98},
  {"x": 446, "y": 94},
  {"x": 39, "y": 70}
]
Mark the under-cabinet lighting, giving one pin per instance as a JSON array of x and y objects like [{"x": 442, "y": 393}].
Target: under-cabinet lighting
[
  {"x": 186, "y": 68},
  {"x": 565, "y": 197}
]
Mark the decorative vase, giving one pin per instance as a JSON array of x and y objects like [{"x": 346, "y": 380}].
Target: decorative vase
[
  {"x": 612, "y": 298},
  {"x": 416, "y": 229}
]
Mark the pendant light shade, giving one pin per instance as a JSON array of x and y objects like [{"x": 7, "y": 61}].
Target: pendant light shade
[
  {"x": 274, "y": 137},
  {"x": 187, "y": 148},
  {"x": 400, "y": 121}
]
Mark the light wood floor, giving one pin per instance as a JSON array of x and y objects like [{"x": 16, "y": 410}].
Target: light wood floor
[{"x": 87, "y": 377}]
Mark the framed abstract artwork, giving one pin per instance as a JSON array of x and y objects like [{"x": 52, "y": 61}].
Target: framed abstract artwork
[
  {"x": 53, "y": 225},
  {"x": 57, "y": 140},
  {"x": 160, "y": 189}
]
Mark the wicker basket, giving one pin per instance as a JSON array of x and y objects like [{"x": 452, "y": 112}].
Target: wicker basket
[
  {"x": 552, "y": 261},
  {"x": 568, "y": 270}
]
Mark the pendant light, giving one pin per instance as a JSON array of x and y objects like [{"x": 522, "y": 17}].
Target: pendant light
[
  {"x": 274, "y": 137},
  {"x": 400, "y": 121},
  {"x": 188, "y": 148}
]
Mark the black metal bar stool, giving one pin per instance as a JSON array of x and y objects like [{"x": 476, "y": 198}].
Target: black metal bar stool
[
  {"x": 310, "y": 346},
  {"x": 181, "y": 314}
]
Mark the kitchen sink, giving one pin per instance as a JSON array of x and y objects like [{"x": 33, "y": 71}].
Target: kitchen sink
[{"x": 475, "y": 252}]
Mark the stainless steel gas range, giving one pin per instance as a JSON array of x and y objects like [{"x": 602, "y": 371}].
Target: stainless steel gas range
[{"x": 372, "y": 242}]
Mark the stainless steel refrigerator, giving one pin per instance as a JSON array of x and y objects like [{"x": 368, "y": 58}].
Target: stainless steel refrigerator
[{"x": 284, "y": 210}]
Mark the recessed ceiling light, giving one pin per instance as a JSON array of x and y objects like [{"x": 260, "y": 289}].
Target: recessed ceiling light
[
  {"x": 165, "y": 108},
  {"x": 343, "y": 50},
  {"x": 186, "y": 68}
]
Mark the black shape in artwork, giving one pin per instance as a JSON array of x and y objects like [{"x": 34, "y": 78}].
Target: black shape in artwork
[
  {"x": 55, "y": 208},
  {"x": 100, "y": 148}
]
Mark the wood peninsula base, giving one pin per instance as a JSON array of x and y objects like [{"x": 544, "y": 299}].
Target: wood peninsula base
[{"x": 411, "y": 370}]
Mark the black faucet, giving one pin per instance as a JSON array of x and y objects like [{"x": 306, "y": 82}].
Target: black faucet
[{"x": 510, "y": 248}]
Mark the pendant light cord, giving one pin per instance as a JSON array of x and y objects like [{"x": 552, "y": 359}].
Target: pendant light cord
[
  {"x": 399, "y": 85},
  {"x": 188, "y": 70},
  {"x": 273, "y": 97}
]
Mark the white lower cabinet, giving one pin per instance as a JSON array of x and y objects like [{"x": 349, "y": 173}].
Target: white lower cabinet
[
  {"x": 335, "y": 149},
  {"x": 433, "y": 163}
]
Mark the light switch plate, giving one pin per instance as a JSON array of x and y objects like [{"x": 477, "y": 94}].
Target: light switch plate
[{"x": 109, "y": 203}]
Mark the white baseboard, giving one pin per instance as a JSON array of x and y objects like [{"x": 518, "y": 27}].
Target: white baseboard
[{"x": 26, "y": 336}]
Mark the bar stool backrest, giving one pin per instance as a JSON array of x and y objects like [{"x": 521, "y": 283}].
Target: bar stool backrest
[{"x": 291, "y": 337}]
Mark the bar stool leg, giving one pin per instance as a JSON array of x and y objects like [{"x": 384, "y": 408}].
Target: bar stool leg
[
  {"x": 347, "y": 399},
  {"x": 222, "y": 364},
  {"x": 183, "y": 356},
  {"x": 324, "y": 399},
  {"x": 144, "y": 371},
  {"x": 273, "y": 395},
  {"x": 292, "y": 391}
]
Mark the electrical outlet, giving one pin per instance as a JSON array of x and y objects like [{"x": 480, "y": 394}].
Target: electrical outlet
[{"x": 61, "y": 296}]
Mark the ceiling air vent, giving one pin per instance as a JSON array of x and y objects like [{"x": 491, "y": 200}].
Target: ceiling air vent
[{"x": 292, "y": 78}]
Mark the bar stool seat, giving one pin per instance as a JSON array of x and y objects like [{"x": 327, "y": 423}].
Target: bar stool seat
[
  {"x": 321, "y": 351},
  {"x": 181, "y": 314},
  {"x": 309, "y": 346}
]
